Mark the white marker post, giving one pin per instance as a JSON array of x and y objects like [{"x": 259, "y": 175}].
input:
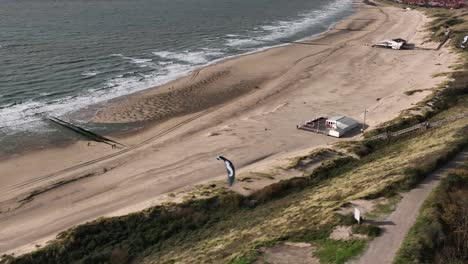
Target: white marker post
[{"x": 357, "y": 215}]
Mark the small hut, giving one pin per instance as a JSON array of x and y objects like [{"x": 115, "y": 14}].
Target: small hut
[{"x": 340, "y": 125}]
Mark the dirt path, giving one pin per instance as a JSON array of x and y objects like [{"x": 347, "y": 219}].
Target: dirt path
[{"x": 383, "y": 249}]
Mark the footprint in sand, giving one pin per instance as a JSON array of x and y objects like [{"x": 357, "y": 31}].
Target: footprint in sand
[
  {"x": 226, "y": 128},
  {"x": 266, "y": 113}
]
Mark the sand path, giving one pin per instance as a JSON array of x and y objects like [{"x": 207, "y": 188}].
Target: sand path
[
  {"x": 271, "y": 92},
  {"x": 396, "y": 226}
]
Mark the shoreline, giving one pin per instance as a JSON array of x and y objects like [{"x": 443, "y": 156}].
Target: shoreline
[
  {"x": 258, "y": 125},
  {"x": 116, "y": 102},
  {"x": 142, "y": 126},
  {"x": 139, "y": 126}
]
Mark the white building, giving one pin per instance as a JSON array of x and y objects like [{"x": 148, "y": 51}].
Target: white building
[{"x": 339, "y": 125}]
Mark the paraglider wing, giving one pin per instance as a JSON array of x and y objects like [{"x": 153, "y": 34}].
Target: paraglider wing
[{"x": 230, "y": 169}]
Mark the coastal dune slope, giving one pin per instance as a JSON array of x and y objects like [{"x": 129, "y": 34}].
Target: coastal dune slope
[{"x": 245, "y": 108}]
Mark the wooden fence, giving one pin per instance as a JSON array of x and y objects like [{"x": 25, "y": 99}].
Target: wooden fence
[{"x": 420, "y": 126}]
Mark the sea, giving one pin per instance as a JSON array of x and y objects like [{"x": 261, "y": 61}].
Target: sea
[{"x": 60, "y": 57}]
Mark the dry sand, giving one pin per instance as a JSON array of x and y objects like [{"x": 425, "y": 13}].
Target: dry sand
[
  {"x": 245, "y": 108},
  {"x": 287, "y": 253}
]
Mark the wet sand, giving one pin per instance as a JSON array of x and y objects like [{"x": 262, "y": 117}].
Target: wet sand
[{"x": 245, "y": 108}]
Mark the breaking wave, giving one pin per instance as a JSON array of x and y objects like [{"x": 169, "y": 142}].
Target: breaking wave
[
  {"x": 266, "y": 34},
  {"x": 90, "y": 73}
]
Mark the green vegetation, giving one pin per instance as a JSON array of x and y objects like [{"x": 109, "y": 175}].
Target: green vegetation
[
  {"x": 316, "y": 155},
  {"x": 329, "y": 169},
  {"x": 338, "y": 251},
  {"x": 358, "y": 148},
  {"x": 440, "y": 232},
  {"x": 385, "y": 208},
  {"x": 242, "y": 260},
  {"x": 455, "y": 20}
]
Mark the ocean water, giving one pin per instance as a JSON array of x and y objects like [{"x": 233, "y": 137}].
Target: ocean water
[{"x": 60, "y": 56}]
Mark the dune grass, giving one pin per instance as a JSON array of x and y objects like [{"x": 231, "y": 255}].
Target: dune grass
[
  {"x": 385, "y": 208},
  {"x": 338, "y": 251},
  {"x": 439, "y": 234}
]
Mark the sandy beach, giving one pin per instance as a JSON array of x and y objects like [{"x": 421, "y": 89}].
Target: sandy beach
[{"x": 245, "y": 108}]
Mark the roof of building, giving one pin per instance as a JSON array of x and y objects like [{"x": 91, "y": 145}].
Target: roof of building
[
  {"x": 342, "y": 122},
  {"x": 335, "y": 118}
]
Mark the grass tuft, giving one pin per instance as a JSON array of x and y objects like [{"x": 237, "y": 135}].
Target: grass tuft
[{"x": 339, "y": 251}]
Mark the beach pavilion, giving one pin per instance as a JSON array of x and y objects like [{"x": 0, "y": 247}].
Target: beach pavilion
[{"x": 340, "y": 125}]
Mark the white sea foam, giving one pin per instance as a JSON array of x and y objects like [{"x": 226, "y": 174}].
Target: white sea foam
[
  {"x": 236, "y": 42},
  {"x": 139, "y": 61},
  {"x": 287, "y": 28},
  {"x": 209, "y": 52},
  {"x": 142, "y": 62},
  {"x": 25, "y": 116},
  {"x": 90, "y": 73},
  {"x": 197, "y": 57},
  {"x": 284, "y": 29},
  {"x": 165, "y": 62}
]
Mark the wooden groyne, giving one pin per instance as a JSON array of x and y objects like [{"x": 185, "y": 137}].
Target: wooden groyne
[{"x": 89, "y": 134}]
